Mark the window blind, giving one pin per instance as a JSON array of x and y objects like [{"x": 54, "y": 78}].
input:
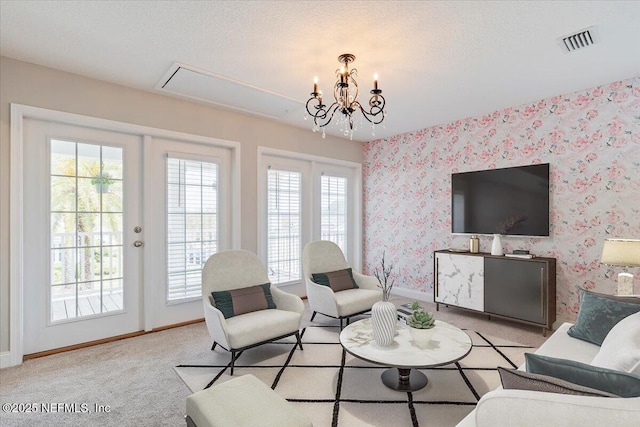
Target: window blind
[
  {"x": 192, "y": 224},
  {"x": 284, "y": 211},
  {"x": 333, "y": 213}
]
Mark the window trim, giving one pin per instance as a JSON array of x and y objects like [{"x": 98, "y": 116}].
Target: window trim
[{"x": 311, "y": 205}]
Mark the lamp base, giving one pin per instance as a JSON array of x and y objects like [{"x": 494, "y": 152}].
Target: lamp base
[{"x": 625, "y": 284}]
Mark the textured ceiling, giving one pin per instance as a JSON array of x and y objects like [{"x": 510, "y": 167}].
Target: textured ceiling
[{"x": 437, "y": 61}]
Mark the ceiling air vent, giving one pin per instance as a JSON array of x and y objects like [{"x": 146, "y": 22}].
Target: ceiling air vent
[{"x": 579, "y": 40}]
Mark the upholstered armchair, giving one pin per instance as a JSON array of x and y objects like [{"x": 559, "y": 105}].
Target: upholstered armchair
[
  {"x": 240, "y": 316},
  {"x": 340, "y": 302}
]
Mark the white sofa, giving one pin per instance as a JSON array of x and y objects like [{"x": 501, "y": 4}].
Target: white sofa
[{"x": 525, "y": 408}]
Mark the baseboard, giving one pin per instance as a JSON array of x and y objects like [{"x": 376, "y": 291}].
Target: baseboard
[
  {"x": 5, "y": 359},
  {"x": 409, "y": 293}
]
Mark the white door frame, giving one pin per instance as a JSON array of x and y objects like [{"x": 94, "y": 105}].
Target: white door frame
[{"x": 16, "y": 230}]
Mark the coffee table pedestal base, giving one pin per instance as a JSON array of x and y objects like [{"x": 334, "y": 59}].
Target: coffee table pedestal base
[{"x": 402, "y": 379}]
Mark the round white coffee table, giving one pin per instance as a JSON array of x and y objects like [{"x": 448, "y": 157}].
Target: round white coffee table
[{"x": 448, "y": 344}]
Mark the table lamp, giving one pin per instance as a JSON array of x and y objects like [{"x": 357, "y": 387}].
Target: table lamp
[{"x": 624, "y": 253}]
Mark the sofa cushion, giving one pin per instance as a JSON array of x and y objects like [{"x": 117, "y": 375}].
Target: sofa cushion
[
  {"x": 562, "y": 346},
  {"x": 599, "y": 313},
  {"x": 337, "y": 280},
  {"x": 619, "y": 383},
  {"x": 620, "y": 350},
  {"x": 243, "y": 401},
  {"x": 244, "y": 300},
  {"x": 518, "y": 380},
  {"x": 261, "y": 326}
]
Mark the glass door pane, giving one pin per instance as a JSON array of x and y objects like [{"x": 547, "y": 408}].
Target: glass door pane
[
  {"x": 86, "y": 217},
  {"x": 192, "y": 225},
  {"x": 333, "y": 210},
  {"x": 284, "y": 211}
]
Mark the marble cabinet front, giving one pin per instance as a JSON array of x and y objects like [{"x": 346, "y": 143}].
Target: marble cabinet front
[{"x": 460, "y": 280}]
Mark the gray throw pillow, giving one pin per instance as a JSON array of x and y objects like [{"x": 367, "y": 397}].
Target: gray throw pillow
[
  {"x": 518, "y": 380},
  {"x": 337, "y": 280},
  {"x": 619, "y": 383},
  {"x": 599, "y": 313}
]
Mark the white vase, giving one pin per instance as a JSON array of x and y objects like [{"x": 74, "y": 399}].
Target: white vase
[
  {"x": 496, "y": 246},
  {"x": 383, "y": 318},
  {"x": 421, "y": 337}
]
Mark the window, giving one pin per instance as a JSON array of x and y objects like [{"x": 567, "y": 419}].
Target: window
[
  {"x": 192, "y": 224},
  {"x": 284, "y": 211},
  {"x": 333, "y": 212},
  {"x": 303, "y": 198}
]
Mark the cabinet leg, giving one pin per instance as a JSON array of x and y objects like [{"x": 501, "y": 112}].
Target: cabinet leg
[
  {"x": 437, "y": 307},
  {"x": 544, "y": 331},
  {"x": 488, "y": 317}
]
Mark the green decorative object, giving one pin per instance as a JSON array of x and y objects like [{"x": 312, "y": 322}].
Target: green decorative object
[
  {"x": 420, "y": 319},
  {"x": 102, "y": 182}
]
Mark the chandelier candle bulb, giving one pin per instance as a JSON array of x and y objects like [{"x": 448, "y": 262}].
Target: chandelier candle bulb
[
  {"x": 315, "y": 85},
  {"x": 375, "y": 81}
]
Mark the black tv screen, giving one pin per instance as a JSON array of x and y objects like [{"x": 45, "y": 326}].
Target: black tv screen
[{"x": 510, "y": 201}]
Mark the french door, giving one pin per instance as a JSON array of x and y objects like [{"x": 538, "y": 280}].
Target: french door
[
  {"x": 188, "y": 219},
  {"x": 303, "y": 199},
  {"x": 117, "y": 227},
  {"x": 82, "y": 269}
]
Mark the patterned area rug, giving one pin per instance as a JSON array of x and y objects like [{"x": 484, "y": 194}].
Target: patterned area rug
[{"x": 334, "y": 388}]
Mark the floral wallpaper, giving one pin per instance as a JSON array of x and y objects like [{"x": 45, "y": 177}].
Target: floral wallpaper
[{"x": 590, "y": 138}]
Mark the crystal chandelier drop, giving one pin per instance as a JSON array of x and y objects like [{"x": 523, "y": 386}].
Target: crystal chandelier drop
[{"x": 345, "y": 102}]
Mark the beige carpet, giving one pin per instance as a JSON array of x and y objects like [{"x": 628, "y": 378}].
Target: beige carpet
[
  {"x": 136, "y": 377},
  {"x": 334, "y": 388}
]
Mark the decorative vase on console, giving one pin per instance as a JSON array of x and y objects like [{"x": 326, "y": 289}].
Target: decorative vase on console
[
  {"x": 505, "y": 227},
  {"x": 384, "y": 314},
  {"x": 496, "y": 246}
]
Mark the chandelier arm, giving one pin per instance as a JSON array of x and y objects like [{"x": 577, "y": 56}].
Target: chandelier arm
[
  {"x": 319, "y": 107},
  {"x": 375, "y": 115},
  {"x": 352, "y": 75},
  {"x": 333, "y": 108}
]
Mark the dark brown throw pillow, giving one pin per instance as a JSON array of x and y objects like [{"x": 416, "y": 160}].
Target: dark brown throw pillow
[
  {"x": 337, "y": 280},
  {"x": 245, "y": 300}
]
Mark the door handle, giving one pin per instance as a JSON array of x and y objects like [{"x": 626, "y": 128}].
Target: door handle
[
  {"x": 542, "y": 292},
  {"x": 436, "y": 281},
  {"x": 138, "y": 243}
]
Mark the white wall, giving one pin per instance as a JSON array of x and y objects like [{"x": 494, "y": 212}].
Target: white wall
[{"x": 29, "y": 84}]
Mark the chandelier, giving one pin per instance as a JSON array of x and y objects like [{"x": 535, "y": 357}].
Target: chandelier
[{"x": 345, "y": 102}]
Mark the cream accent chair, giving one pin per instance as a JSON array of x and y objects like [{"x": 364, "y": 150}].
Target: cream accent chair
[
  {"x": 323, "y": 256},
  {"x": 238, "y": 269}
]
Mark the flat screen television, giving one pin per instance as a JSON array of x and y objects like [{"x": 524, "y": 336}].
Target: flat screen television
[{"x": 510, "y": 201}]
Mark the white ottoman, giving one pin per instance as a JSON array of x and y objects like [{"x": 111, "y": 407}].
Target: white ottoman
[{"x": 242, "y": 402}]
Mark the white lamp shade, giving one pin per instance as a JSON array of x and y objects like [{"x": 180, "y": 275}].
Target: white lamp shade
[{"x": 621, "y": 252}]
